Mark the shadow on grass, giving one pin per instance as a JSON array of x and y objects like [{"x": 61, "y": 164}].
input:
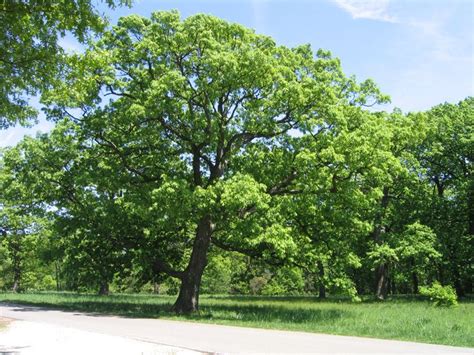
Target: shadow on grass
[{"x": 258, "y": 313}]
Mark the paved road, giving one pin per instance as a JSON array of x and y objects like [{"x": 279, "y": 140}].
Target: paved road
[{"x": 221, "y": 339}]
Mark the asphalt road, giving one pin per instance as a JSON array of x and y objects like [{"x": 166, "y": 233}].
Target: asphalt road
[{"x": 221, "y": 339}]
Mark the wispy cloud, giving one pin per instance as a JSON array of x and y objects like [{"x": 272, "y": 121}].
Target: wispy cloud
[
  {"x": 258, "y": 15},
  {"x": 13, "y": 135},
  {"x": 367, "y": 9},
  {"x": 443, "y": 46}
]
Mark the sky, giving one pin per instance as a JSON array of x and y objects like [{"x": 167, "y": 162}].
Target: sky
[{"x": 420, "y": 52}]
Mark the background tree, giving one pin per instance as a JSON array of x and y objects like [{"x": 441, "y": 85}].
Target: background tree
[{"x": 447, "y": 156}]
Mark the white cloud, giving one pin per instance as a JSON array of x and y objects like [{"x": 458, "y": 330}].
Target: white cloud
[
  {"x": 12, "y": 135},
  {"x": 70, "y": 45},
  {"x": 441, "y": 45},
  {"x": 367, "y": 9}
]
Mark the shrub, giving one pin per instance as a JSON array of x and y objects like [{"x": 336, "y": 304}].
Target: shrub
[
  {"x": 440, "y": 295},
  {"x": 257, "y": 284}
]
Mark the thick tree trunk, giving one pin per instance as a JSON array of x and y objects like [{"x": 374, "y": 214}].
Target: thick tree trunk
[
  {"x": 321, "y": 285},
  {"x": 188, "y": 298}
]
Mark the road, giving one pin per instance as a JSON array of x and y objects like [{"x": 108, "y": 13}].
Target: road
[{"x": 220, "y": 339}]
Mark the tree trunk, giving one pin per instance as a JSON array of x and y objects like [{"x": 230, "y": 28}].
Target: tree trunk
[
  {"x": 16, "y": 286},
  {"x": 321, "y": 285},
  {"x": 457, "y": 283},
  {"x": 57, "y": 273},
  {"x": 393, "y": 287},
  {"x": 104, "y": 288},
  {"x": 470, "y": 207},
  {"x": 414, "y": 277},
  {"x": 156, "y": 288},
  {"x": 381, "y": 271},
  {"x": 188, "y": 298},
  {"x": 16, "y": 259},
  {"x": 381, "y": 282}
]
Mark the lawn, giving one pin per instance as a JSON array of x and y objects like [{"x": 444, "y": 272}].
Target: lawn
[{"x": 401, "y": 318}]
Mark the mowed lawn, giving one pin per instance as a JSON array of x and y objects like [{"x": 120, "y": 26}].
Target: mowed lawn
[{"x": 401, "y": 318}]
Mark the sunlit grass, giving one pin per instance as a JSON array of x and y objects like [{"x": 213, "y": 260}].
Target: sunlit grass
[{"x": 402, "y": 318}]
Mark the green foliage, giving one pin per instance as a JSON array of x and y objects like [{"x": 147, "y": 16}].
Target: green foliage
[
  {"x": 381, "y": 254},
  {"x": 218, "y": 276},
  {"x": 286, "y": 281},
  {"x": 195, "y": 147},
  {"x": 31, "y": 58},
  {"x": 440, "y": 295}
]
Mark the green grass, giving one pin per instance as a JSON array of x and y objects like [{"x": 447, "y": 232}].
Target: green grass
[{"x": 401, "y": 318}]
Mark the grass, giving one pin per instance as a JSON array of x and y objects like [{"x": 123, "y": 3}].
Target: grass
[{"x": 400, "y": 318}]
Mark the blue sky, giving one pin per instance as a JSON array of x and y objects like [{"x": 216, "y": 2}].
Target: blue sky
[{"x": 420, "y": 52}]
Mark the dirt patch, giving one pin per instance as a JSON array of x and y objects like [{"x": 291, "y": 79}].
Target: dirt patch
[{"x": 4, "y": 322}]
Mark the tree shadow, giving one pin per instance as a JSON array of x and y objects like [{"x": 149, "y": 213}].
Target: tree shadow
[{"x": 237, "y": 312}]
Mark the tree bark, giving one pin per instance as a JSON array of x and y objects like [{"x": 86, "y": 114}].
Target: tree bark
[
  {"x": 321, "y": 285},
  {"x": 188, "y": 298},
  {"x": 414, "y": 277},
  {"x": 381, "y": 282}
]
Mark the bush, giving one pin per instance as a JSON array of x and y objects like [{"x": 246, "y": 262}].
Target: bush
[{"x": 440, "y": 295}]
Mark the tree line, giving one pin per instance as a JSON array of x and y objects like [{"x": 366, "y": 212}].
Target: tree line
[{"x": 196, "y": 155}]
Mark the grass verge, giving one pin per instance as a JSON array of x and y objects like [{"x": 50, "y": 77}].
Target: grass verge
[{"x": 402, "y": 319}]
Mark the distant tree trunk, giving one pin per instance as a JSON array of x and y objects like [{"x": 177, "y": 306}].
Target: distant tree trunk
[
  {"x": 414, "y": 277},
  {"x": 156, "y": 288},
  {"x": 381, "y": 286},
  {"x": 188, "y": 298},
  {"x": 470, "y": 206},
  {"x": 393, "y": 288},
  {"x": 381, "y": 271},
  {"x": 15, "y": 252},
  {"x": 57, "y": 274},
  {"x": 321, "y": 285},
  {"x": 16, "y": 285},
  {"x": 457, "y": 283},
  {"x": 104, "y": 288}
]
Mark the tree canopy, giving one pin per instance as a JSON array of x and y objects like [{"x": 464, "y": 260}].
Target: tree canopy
[
  {"x": 180, "y": 143},
  {"x": 31, "y": 55}
]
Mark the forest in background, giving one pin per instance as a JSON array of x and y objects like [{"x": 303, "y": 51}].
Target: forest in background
[{"x": 195, "y": 156}]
